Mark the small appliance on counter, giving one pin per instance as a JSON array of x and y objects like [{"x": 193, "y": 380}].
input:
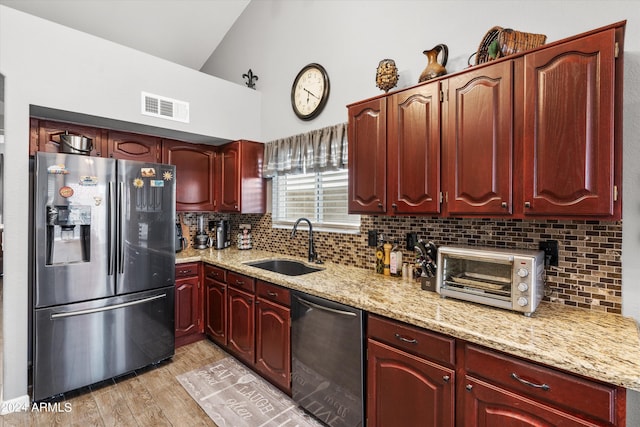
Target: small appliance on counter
[
  {"x": 222, "y": 234},
  {"x": 504, "y": 278},
  {"x": 244, "y": 237},
  {"x": 202, "y": 238}
]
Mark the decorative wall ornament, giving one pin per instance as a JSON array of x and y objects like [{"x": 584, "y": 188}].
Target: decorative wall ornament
[
  {"x": 250, "y": 79},
  {"x": 387, "y": 75}
]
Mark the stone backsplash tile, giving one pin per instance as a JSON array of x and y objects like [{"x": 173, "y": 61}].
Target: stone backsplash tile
[{"x": 588, "y": 275}]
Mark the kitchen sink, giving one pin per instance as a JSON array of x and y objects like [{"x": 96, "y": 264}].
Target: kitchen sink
[{"x": 284, "y": 266}]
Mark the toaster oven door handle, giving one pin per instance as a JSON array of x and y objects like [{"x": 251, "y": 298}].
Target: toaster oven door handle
[{"x": 493, "y": 258}]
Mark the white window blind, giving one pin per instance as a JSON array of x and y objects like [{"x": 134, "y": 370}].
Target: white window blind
[{"x": 320, "y": 197}]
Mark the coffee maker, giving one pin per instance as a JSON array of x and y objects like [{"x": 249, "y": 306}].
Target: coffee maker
[
  {"x": 223, "y": 234},
  {"x": 202, "y": 238}
]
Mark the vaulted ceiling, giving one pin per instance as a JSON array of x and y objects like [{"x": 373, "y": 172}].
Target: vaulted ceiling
[{"x": 182, "y": 31}]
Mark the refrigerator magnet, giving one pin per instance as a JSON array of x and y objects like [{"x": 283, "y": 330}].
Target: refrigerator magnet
[
  {"x": 89, "y": 181},
  {"x": 66, "y": 192},
  {"x": 138, "y": 183},
  {"x": 167, "y": 175},
  {"x": 57, "y": 170},
  {"x": 148, "y": 172},
  {"x": 156, "y": 183}
]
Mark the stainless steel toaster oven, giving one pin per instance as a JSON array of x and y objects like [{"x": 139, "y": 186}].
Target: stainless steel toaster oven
[{"x": 512, "y": 279}]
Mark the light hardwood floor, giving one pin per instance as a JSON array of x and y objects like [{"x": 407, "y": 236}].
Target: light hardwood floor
[{"x": 149, "y": 397}]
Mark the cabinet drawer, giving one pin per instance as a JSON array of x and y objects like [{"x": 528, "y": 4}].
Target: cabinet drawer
[
  {"x": 274, "y": 293},
  {"x": 240, "y": 281},
  {"x": 215, "y": 273},
  {"x": 413, "y": 339},
  {"x": 188, "y": 269},
  {"x": 559, "y": 389}
]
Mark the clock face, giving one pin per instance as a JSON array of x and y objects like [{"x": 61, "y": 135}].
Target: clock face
[{"x": 310, "y": 91}]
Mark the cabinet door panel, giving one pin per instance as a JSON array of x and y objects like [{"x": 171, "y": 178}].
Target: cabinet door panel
[
  {"x": 273, "y": 342},
  {"x": 367, "y": 157},
  {"x": 132, "y": 146},
  {"x": 195, "y": 166},
  {"x": 569, "y": 128},
  {"x": 479, "y": 141},
  {"x": 405, "y": 390},
  {"x": 48, "y": 136},
  {"x": 187, "y": 304},
  {"x": 241, "y": 325},
  {"x": 484, "y": 405},
  {"x": 230, "y": 178},
  {"x": 414, "y": 150},
  {"x": 216, "y": 311}
]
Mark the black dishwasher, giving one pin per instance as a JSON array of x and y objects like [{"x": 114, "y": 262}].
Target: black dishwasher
[{"x": 327, "y": 350}]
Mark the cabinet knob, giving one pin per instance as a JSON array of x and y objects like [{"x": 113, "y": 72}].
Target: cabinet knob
[
  {"x": 503, "y": 204},
  {"x": 469, "y": 387},
  {"x": 446, "y": 378},
  {"x": 527, "y": 204},
  {"x": 380, "y": 206},
  {"x": 394, "y": 206},
  {"x": 272, "y": 294}
]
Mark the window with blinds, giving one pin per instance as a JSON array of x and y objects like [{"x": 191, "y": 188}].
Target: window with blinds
[{"x": 321, "y": 197}]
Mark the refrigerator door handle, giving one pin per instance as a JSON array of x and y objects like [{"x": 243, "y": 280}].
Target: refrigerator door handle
[
  {"x": 120, "y": 225},
  {"x": 107, "y": 308},
  {"x": 111, "y": 231}
]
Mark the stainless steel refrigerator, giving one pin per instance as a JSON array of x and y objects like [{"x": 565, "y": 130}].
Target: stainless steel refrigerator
[{"x": 104, "y": 269}]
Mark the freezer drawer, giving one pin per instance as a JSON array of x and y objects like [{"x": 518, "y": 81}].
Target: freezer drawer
[{"x": 80, "y": 344}]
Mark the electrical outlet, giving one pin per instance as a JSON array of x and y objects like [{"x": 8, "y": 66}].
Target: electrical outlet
[
  {"x": 412, "y": 239},
  {"x": 372, "y": 239},
  {"x": 550, "y": 248}
]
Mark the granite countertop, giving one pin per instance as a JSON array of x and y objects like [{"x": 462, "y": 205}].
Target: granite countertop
[{"x": 598, "y": 345}]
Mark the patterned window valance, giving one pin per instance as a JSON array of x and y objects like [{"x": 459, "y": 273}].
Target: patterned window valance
[{"x": 315, "y": 151}]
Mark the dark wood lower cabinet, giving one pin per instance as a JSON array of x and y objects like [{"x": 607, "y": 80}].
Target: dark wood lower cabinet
[
  {"x": 273, "y": 338},
  {"x": 215, "y": 304},
  {"x": 241, "y": 317},
  {"x": 188, "y": 308},
  {"x": 487, "y": 405},
  {"x": 406, "y": 390}
]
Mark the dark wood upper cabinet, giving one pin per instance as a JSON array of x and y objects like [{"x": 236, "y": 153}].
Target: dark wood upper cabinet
[
  {"x": 132, "y": 146},
  {"x": 568, "y": 126},
  {"x": 240, "y": 182},
  {"x": 368, "y": 157},
  {"x": 479, "y": 141},
  {"x": 413, "y": 150},
  {"x": 535, "y": 134},
  {"x": 195, "y": 166},
  {"x": 45, "y": 136}
]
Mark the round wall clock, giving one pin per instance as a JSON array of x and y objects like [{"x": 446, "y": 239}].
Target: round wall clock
[{"x": 310, "y": 91}]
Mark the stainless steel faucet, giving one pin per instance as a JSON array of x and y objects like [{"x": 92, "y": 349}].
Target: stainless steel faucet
[{"x": 312, "y": 250}]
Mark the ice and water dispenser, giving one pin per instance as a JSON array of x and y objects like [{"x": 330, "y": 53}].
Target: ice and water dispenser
[{"x": 68, "y": 234}]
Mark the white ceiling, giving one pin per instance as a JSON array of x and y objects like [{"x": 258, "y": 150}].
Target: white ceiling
[{"x": 182, "y": 31}]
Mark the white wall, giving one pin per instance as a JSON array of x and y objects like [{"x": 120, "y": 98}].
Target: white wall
[
  {"x": 52, "y": 66},
  {"x": 276, "y": 38}
]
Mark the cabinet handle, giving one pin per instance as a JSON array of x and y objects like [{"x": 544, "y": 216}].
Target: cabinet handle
[
  {"x": 503, "y": 204},
  {"x": 394, "y": 206},
  {"x": 527, "y": 204},
  {"x": 272, "y": 294},
  {"x": 469, "y": 387},
  {"x": 407, "y": 340},
  {"x": 446, "y": 378},
  {"x": 222, "y": 288},
  {"x": 380, "y": 206},
  {"x": 545, "y": 387},
  {"x": 239, "y": 282}
]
